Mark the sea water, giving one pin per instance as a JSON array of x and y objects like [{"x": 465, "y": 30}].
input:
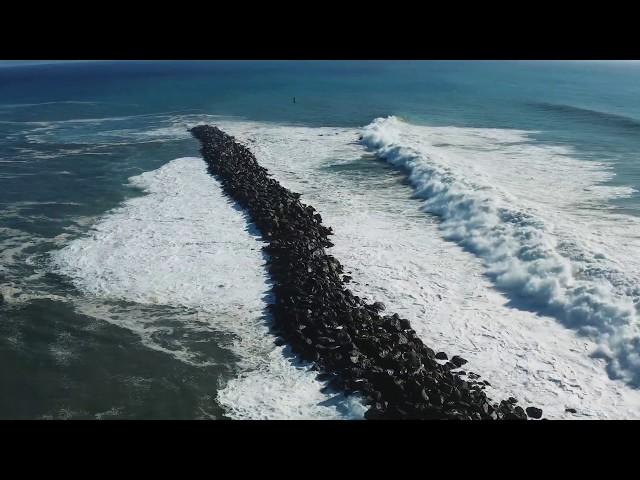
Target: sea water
[{"x": 493, "y": 204}]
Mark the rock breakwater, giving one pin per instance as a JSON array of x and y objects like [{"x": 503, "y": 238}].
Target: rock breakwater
[{"x": 354, "y": 346}]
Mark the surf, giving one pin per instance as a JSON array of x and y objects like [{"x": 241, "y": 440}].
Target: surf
[
  {"x": 521, "y": 254},
  {"x": 184, "y": 244}
]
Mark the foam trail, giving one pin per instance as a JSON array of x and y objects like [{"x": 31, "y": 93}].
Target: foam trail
[
  {"x": 185, "y": 244},
  {"x": 521, "y": 256}
]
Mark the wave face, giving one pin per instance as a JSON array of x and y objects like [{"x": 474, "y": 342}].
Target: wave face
[
  {"x": 525, "y": 252},
  {"x": 185, "y": 245},
  {"x": 588, "y": 115}
]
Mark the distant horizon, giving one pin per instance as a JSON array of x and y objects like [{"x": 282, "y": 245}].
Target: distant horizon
[{"x": 23, "y": 63}]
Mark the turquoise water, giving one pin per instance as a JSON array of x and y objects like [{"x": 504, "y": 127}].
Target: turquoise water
[{"x": 74, "y": 133}]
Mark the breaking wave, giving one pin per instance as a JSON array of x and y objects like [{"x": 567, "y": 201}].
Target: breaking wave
[{"x": 521, "y": 253}]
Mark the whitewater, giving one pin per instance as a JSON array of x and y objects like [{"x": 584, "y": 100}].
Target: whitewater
[
  {"x": 185, "y": 244},
  {"x": 499, "y": 250},
  {"x": 516, "y": 240}
]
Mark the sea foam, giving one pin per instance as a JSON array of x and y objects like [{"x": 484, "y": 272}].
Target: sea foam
[
  {"x": 522, "y": 255},
  {"x": 184, "y": 244},
  {"x": 396, "y": 254}
]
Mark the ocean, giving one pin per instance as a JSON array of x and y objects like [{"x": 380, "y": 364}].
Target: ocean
[{"x": 494, "y": 204}]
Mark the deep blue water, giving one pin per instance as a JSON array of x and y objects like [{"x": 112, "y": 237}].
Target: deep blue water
[
  {"x": 69, "y": 144},
  {"x": 592, "y": 106}
]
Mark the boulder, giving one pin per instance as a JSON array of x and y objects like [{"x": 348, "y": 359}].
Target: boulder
[
  {"x": 534, "y": 412},
  {"x": 458, "y": 361}
]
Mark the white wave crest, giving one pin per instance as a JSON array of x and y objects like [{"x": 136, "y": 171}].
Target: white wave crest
[{"x": 522, "y": 257}]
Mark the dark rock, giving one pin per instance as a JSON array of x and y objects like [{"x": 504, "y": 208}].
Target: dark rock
[
  {"x": 378, "y": 306},
  {"x": 413, "y": 359},
  {"x": 570, "y": 410},
  {"x": 458, "y": 361},
  {"x": 534, "y": 412},
  {"x": 404, "y": 324},
  {"x": 356, "y": 348},
  {"x": 424, "y": 395},
  {"x": 519, "y": 413}
]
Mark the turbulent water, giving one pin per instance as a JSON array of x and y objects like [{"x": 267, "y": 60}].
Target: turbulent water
[
  {"x": 133, "y": 288},
  {"x": 184, "y": 244},
  {"x": 542, "y": 254}
]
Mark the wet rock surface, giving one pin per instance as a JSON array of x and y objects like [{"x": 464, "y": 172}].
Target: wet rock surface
[
  {"x": 534, "y": 412},
  {"x": 353, "y": 345}
]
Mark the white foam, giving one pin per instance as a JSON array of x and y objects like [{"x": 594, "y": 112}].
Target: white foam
[
  {"x": 21, "y": 272},
  {"x": 13, "y": 295},
  {"x": 397, "y": 255},
  {"x": 93, "y": 132},
  {"x": 509, "y": 231},
  {"x": 184, "y": 244}
]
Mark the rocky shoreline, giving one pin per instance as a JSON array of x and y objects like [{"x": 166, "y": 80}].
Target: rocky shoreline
[{"x": 353, "y": 345}]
